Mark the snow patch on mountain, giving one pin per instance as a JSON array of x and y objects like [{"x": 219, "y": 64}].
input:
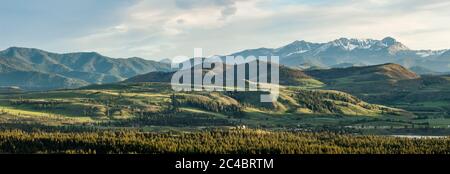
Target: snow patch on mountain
[
  {"x": 428, "y": 53},
  {"x": 297, "y": 52},
  {"x": 351, "y": 44}
]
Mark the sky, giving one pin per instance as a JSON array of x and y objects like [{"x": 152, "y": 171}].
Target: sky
[{"x": 167, "y": 28}]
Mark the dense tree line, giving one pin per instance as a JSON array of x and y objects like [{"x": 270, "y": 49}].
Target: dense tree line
[
  {"x": 30, "y": 127},
  {"x": 206, "y": 102},
  {"x": 251, "y": 98},
  {"x": 38, "y": 104},
  {"x": 323, "y": 101},
  {"x": 171, "y": 119},
  {"x": 221, "y": 142}
]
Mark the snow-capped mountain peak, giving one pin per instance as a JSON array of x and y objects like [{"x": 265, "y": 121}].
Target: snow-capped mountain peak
[
  {"x": 351, "y": 44},
  {"x": 354, "y": 51}
]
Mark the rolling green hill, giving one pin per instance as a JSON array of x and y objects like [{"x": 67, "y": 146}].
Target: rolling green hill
[
  {"x": 288, "y": 77},
  {"x": 38, "y": 80},
  {"x": 360, "y": 80},
  {"x": 155, "y": 104},
  {"x": 427, "y": 95},
  {"x": 151, "y": 77}
]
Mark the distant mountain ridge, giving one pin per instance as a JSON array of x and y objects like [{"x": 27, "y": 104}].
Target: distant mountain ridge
[
  {"x": 30, "y": 68},
  {"x": 354, "y": 51}
]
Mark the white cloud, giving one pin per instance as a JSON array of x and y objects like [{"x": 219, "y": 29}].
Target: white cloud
[{"x": 158, "y": 29}]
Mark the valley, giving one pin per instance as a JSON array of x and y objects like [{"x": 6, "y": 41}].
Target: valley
[
  {"x": 92, "y": 96},
  {"x": 142, "y": 104}
]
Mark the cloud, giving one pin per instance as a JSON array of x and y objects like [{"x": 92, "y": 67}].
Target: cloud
[
  {"x": 148, "y": 24},
  {"x": 227, "y": 7},
  {"x": 161, "y": 29}
]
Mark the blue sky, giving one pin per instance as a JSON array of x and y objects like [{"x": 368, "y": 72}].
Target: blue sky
[{"x": 163, "y": 29}]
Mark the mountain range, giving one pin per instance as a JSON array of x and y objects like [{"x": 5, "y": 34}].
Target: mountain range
[
  {"x": 345, "y": 52},
  {"x": 36, "y": 69}
]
